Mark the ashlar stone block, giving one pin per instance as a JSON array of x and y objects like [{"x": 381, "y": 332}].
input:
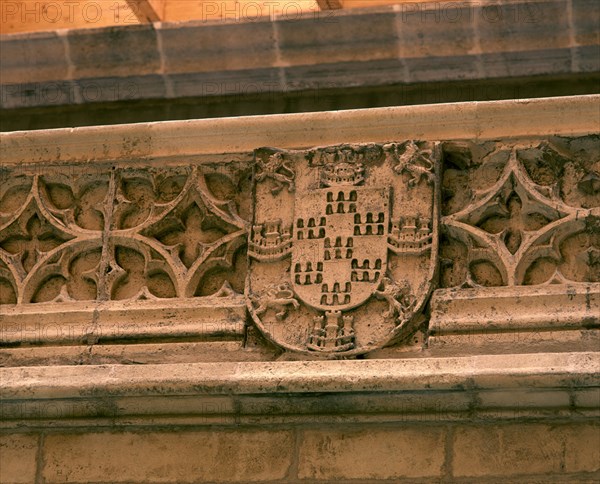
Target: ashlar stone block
[
  {"x": 18, "y": 458},
  {"x": 208, "y": 456},
  {"x": 372, "y": 454}
]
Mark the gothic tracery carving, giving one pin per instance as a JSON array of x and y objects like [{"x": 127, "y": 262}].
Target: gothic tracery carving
[
  {"x": 121, "y": 233},
  {"x": 514, "y": 213},
  {"x": 527, "y": 226}
]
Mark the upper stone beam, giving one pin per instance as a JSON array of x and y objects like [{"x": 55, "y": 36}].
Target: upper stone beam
[
  {"x": 414, "y": 53},
  {"x": 234, "y": 10},
  {"x": 346, "y": 4}
]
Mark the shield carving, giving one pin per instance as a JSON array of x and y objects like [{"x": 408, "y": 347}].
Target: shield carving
[{"x": 343, "y": 246}]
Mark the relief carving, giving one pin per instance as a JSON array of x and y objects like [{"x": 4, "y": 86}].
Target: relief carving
[
  {"x": 353, "y": 252},
  {"x": 399, "y": 299},
  {"x": 121, "y": 233},
  {"x": 343, "y": 165},
  {"x": 78, "y": 202},
  {"x": 520, "y": 214},
  {"x": 278, "y": 297},
  {"x": 417, "y": 161},
  {"x": 73, "y": 276},
  {"x": 273, "y": 165},
  {"x": 29, "y": 238},
  {"x": 336, "y": 252}
]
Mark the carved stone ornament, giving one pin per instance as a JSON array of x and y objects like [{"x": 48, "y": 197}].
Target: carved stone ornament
[
  {"x": 328, "y": 251},
  {"x": 528, "y": 213},
  {"x": 71, "y": 235},
  {"x": 343, "y": 261}
]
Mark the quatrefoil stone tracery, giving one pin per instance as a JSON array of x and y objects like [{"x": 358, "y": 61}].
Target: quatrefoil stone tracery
[{"x": 514, "y": 223}]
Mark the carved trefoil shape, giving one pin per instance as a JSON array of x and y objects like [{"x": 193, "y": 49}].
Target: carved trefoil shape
[{"x": 342, "y": 264}]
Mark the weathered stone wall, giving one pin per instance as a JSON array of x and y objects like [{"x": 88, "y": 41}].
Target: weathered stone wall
[
  {"x": 406, "y": 452},
  {"x": 522, "y": 418}
]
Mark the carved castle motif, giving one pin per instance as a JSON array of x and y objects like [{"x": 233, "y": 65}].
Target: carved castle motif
[
  {"x": 342, "y": 173},
  {"x": 410, "y": 235},
  {"x": 332, "y": 332},
  {"x": 269, "y": 241}
]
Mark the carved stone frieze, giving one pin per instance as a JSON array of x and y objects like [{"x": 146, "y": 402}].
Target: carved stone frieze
[{"x": 333, "y": 250}]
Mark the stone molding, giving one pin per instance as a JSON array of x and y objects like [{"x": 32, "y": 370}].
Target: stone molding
[
  {"x": 161, "y": 141},
  {"x": 477, "y": 388}
]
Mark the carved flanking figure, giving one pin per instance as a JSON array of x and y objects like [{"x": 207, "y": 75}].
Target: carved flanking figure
[{"x": 343, "y": 261}]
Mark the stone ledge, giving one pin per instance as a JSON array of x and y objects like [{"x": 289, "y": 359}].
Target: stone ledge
[
  {"x": 480, "y": 387},
  {"x": 230, "y": 348},
  {"x": 515, "y": 318},
  {"x": 518, "y": 308},
  {"x": 93, "y": 322},
  {"x": 560, "y": 116}
]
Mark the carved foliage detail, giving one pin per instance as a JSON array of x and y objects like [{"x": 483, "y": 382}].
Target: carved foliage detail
[
  {"x": 121, "y": 233},
  {"x": 513, "y": 217}
]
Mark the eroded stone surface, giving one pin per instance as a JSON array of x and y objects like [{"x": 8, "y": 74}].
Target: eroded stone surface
[
  {"x": 208, "y": 456},
  {"x": 342, "y": 242},
  {"x": 520, "y": 452},
  {"x": 384, "y": 454},
  {"x": 18, "y": 458},
  {"x": 521, "y": 214},
  {"x": 491, "y": 450}
]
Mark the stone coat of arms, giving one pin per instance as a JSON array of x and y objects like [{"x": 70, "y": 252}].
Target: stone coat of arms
[{"x": 343, "y": 244}]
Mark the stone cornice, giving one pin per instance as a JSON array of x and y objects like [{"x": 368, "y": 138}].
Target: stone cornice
[
  {"x": 487, "y": 387},
  {"x": 561, "y": 116}
]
